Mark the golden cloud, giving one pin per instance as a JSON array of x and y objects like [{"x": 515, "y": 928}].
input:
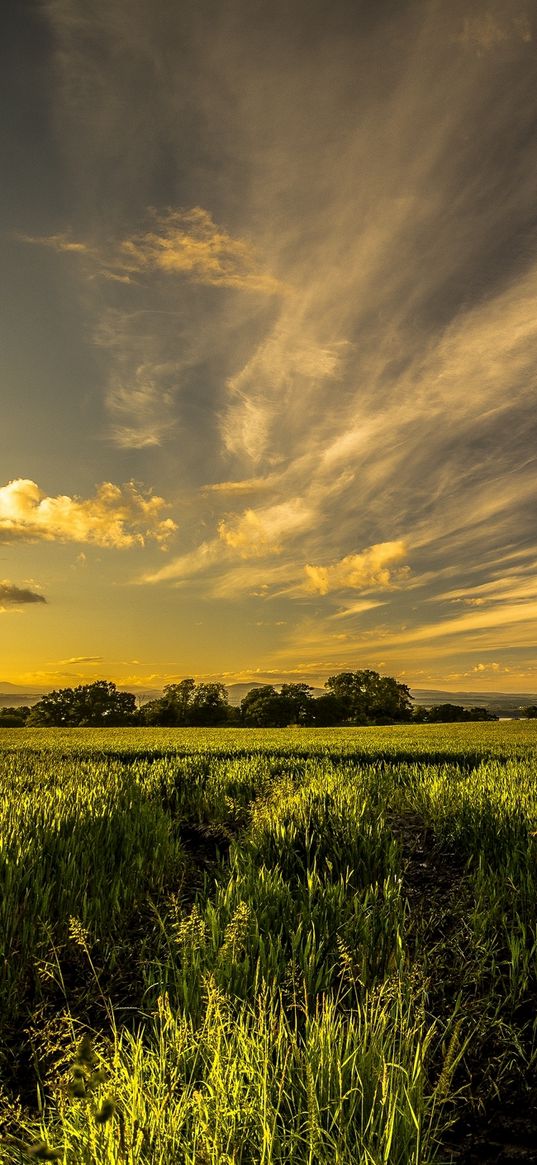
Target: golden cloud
[
  {"x": 259, "y": 532},
  {"x": 186, "y": 565},
  {"x": 188, "y": 242},
  {"x": 488, "y": 667},
  {"x": 246, "y": 485},
  {"x": 369, "y": 569},
  {"x": 61, "y": 243},
  {"x": 118, "y": 516},
  {"x": 181, "y": 242}
]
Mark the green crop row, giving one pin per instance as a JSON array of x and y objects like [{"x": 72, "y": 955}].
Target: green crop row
[{"x": 515, "y": 737}]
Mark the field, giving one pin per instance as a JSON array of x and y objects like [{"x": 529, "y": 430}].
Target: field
[{"x": 249, "y": 947}]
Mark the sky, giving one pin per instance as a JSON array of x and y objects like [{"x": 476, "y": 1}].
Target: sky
[{"x": 268, "y": 359}]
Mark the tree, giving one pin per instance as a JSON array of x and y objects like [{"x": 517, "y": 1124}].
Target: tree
[
  {"x": 445, "y": 713},
  {"x": 297, "y": 703},
  {"x": 329, "y": 710},
  {"x": 179, "y": 698},
  {"x": 14, "y": 717},
  {"x": 89, "y": 705},
  {"x": 369, "y": 698},
  {"x": 188, "y": 703},
  {"x": 210, "y": 705},
  {"x": 529, "y": 712},
  {"x": 157, "y": 714},
  {"x": 456, "y": 713},
  {"x": 172, "y": 710},
  {"x": 262, "y": 708}
]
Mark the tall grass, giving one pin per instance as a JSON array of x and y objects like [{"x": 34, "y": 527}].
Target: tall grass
[
  {"x": 240, "y": 923},
  {"x": 253, "y": 1086}
]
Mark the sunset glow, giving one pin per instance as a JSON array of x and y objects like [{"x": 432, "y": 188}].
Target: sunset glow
[{"x": 269, "y": 358}]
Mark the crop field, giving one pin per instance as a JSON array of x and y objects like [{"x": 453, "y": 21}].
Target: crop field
[{"x": 269, "y": 947}]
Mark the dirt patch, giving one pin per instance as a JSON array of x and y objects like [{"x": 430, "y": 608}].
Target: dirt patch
[
  {"x": 433, "y": 877},
  {"x": 204, "y": 845}
]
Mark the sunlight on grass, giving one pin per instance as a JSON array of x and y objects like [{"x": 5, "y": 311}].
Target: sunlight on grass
[{"x": 271, "y": 966}]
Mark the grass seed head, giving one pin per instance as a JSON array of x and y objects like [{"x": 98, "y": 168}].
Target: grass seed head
[
  {"x": 106, "y": 1111},
  {"x": 77, "y": 1089},
  {"x": 40, "y": 1151},
  {"x": 85, "y": 1055}
]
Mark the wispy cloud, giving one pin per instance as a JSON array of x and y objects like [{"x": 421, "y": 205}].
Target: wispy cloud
[
  {"x": 152, "y": 354},
  {"x": 117, "y": 516},
  {"x": 487, "y": 31},
  {"x": 261, "y": 532},
  {"x": 61, "y": 243},
  {"x": 81, "y": 659},
  {"x": 178, "y": 242},
  {"x": 273, "y": 383},
  {"x": 341, "y": 331},
  {"x": 188, "y": 242},
  {"x": 142, "y": 384},
  {"x": 185, "y": 566},
  {"x": 248, "y": 485}
]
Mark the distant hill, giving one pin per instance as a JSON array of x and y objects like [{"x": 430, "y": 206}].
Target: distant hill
[
  {"x": 15, "y": 696},
  {"x": 237, "y": 692},
  {"x": 501, "y": 703}
]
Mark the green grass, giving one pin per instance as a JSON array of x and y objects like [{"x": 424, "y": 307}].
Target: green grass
[
  {"x": 504, "y": 737},
  {"x": 288, "y": 945}
]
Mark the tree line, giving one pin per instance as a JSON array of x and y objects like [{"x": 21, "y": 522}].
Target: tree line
[{"x": 353, "y": 698}]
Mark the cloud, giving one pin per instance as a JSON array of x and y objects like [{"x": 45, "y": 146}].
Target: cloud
[
  {"x": 117, "y": 516},
  {"x": 245, "y": 486},
  {"x": 61, "y": 243},
  {"x": 361, "y": 334},
  {"x": 185, "y": 566},
  {"x": 184, "y": 243},
  {"x": 151, "y": 335},
  {"x": 140, "y": 403},
  {"x": 143, "y": 382},
  {"x": 254, "y": 534},
  {"x": 485, "y": 32},
  {"x": 368, "y": 570},
  {"x": 494, "y": 668},
  {"x": 188, "y": 242},
  {"x": 257, "y": 533},
  {"x": 268, "y": 533},
  {"x": 272, "y": 384},
  {"x": 514, "y": 585},
  {"x": 81, "y": 659},
  {"x": 15, "y": 596},
  {"x": 358, "y": 608},
  {"x": 496, "y": 625}
]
